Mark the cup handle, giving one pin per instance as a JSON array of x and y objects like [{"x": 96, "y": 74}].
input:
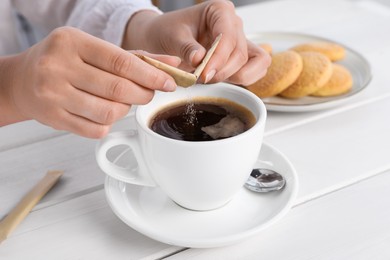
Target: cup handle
[{"x": 139, "y": 175}]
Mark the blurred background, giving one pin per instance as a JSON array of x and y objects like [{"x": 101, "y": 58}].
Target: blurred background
[{"x": 169, "y": 5}]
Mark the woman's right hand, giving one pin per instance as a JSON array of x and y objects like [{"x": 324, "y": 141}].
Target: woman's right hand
[{"x": 75, "y": 82}]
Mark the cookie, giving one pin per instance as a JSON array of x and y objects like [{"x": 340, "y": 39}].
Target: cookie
[
  {"x": 332, "y": 50},
  {"x": 283, "y": 71},
  {"x": 267, "y": 47},
  {"x": 339, "y": 83},
  {"x": 317, "y": 70}
]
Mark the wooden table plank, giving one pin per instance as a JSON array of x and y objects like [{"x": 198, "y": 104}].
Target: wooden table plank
[
  {"x": 338, "y": 150},
  {"x": 81, "y": 228},
  {"x": 268, "y": 16},
  {"x": 24, "y": 166},
  {"x": 352, "y": 223},
  {"x": 329, "y": 167},
  {"x": 22, "y": 133},
  {"x": 85, "y": 228}
]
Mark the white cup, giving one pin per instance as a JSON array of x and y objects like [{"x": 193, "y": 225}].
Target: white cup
[{"x": 201, "y": 175}]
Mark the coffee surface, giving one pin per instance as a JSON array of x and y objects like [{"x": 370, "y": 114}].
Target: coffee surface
[{"x": 202, "y": 120}]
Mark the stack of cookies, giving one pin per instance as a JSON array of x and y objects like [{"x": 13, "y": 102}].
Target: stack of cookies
[{"x": 305, "y": 69}]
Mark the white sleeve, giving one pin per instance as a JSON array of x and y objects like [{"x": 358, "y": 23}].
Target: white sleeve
[{"x": 105, "y": 19}]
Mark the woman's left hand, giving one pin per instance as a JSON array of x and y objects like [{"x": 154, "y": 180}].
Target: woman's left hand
[{"x": 188, "y": 33}]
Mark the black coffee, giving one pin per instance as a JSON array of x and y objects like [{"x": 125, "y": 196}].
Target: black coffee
[{"x": 202, "y": 119}]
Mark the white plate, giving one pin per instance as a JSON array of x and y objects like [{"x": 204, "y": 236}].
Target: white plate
[
  {"x": 152, "y": 213},
  {"x": 356, "y": 63}
]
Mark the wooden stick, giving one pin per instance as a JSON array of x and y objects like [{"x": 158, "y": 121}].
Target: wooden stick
[
  {"x": 11, "y": 221},
  {"x": 181, "y": 77},
  {"x": 206, "y": 59}
]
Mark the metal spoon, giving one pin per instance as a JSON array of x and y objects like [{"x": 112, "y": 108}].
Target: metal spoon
[{"x": 265, "y": 180}]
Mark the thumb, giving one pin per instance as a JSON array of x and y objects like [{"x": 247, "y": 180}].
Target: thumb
[{"x": 190, "y": 50}]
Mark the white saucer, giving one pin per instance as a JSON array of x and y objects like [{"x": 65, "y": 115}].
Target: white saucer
[{"x": 152, "y": 213}]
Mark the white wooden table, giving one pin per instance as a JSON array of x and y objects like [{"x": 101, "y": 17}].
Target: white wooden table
[{"x": 342, "y": 156}]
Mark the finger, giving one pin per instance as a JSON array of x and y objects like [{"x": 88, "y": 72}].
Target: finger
[
  {"x": 232, "y": 47},
  {"x": 94, "y": 108},
  {"x": 254, "y": 69},
  {"x": 115, "y": 60},
  {"x": 111, "y": 87},
  {"x": 227, "y": 61},
  {"x": 185, "y": 45},
  {"x": 80, "y": 126},
  {"x": 191, "y": 51},
  {"x": 167, "y": 59}
]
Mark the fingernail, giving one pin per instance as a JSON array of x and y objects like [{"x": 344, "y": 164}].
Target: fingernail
[
  {"x": 169, "y": 85},
  {"x": 210, "y": 75},
  {"x": 192, "y": 55}
]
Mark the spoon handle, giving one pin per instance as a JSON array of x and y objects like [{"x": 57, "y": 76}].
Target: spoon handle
[{"x": 11, "y": 221}]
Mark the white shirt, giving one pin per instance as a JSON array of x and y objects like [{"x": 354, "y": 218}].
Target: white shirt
[{"x": 105, "y": 19}]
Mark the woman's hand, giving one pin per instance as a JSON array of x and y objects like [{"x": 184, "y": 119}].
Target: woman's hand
[
  {"x": 188, "y": 33},
  {"x": 73, "y": 81}
]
